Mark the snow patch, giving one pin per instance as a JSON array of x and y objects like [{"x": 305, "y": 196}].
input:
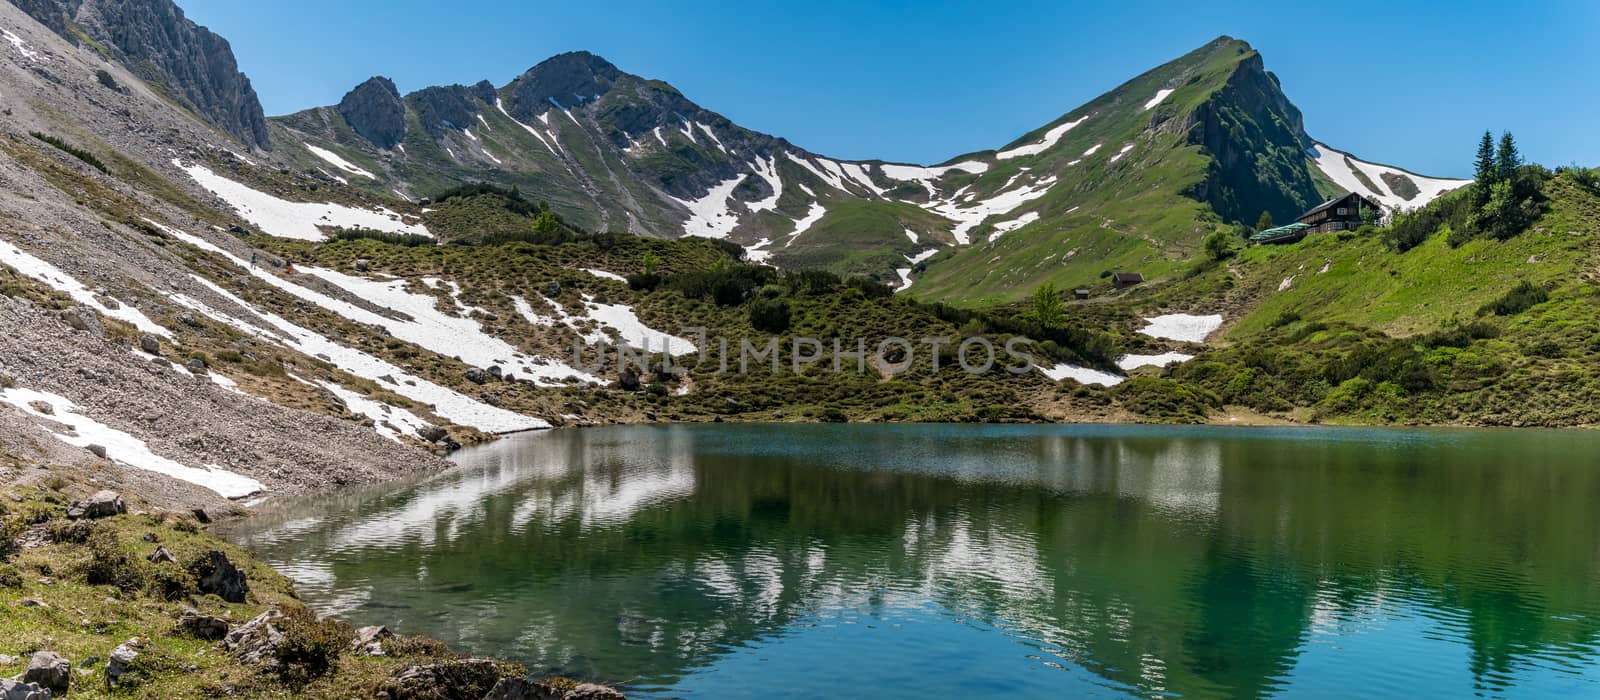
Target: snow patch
[
  {"x": 1082, "y": 375},
  {"x": 712, "y": 216},
  {"x": 1121, "y": 153},
  {"x": 1332, "y": 163},
  {"x": 1183, "y": 327},
  {"x": 125, "y": 449},
  {"x": 285, "y": 219},
  {"x": 338, "y": 162},
  {"x": 21, "y": 46},
  {"x": 620, "y": 318},
  {"x": 805, "y": 223},
  {"x": 1006, "y": 227},
  {"x": 1129, "y": 362},
  {"x": 604, "y": 274},
  {"x": 1043, "y": 144},
  {"x": 390, "y": 421},
  {"x": 1161, "y": 96}
]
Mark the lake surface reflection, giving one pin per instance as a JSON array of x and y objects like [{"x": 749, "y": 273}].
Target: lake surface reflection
[{"x": 982, "y": 561}]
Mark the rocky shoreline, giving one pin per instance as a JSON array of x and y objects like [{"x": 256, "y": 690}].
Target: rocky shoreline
[{"x": 98, "y": 598}]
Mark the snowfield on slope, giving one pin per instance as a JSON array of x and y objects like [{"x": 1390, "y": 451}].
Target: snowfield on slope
[
  {"x": 51, "y": 275},
  {"x": 1082, "y": 375},
  {"x": 1050, "y": 138},
  {"x": 122, "y": 448},
  {"x": 286, "y": 219},
  {"x": 338, "y": 162},
  {"x": 1332, "y": 163},
  {"x": 1182, "y": 327},
  {"x": 618, "y": 317}
]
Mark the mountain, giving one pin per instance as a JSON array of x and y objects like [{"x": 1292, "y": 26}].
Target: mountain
[
  {"x": 185, "y": 62},
  {"x": 1132, "y": 180}
]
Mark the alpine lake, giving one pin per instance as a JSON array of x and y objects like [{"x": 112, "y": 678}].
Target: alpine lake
[{"x": 1018, "y": 561}]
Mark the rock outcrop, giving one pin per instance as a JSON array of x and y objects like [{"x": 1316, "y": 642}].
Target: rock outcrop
[
  {"x": 154, "y": 40},
  {"x": 376, "y": 112}
]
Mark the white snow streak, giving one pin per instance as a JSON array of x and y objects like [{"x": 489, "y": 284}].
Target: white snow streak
[
  {"x": 338, "y": 162},
  {"x": 285, "y": 219},
  {"x": 1185, "y": 327},
  {"x": 51, "y": 275},
  {"x": 1043, "y": 144},
  {"x": 1161, "y": 95},
  {"x": 123, "y": 448}
]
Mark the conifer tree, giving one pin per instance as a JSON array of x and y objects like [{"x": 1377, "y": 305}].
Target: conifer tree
[
  {"x": 1265, "y": 222},
  {"x": 1507, "y": 160},
  {"x": 1486, "y": 172},
  {"x": 1486, "y": 169}
]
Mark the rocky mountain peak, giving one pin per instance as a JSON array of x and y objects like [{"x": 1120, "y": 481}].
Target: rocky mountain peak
[
  {"x": 451, "y": 106},
  {"x": 566, "y": 79},
  {"x": 154, "y": 40},
  {"x": 374, "y": 109}
]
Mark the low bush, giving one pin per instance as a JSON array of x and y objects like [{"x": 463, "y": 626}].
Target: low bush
[
  {"x": 71, "y": 150},
  {"x": 310, "y": 646},
  {"x": 1524, "y": 296}
]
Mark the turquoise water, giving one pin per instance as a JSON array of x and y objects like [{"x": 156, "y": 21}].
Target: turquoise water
[{"x": 987, "y": 561}]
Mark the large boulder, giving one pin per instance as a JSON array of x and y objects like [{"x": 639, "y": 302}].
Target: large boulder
[
  {"x": 476, "y": 376},
  {"x": 256, "y": 642},
  {"x": 150, "y": 344},
  {"x": 16, "y": 690},
  {"x": 460, "y": 679},
  {"x": 592, "y": 691},
  {"x": 50, "y": 670},
  {"x": 219, "y": 577},
  {"x": 432, "y": 433},
  {"x": 102, "y": 504}
]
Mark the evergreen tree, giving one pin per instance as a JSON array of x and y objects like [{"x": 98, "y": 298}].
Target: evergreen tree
[
  {"x": 546, "y": 223},
  {"x": 1265, "y": 222},
  {"x": 1486, "y": 171},
  {"x": 1507, "y": 160}
]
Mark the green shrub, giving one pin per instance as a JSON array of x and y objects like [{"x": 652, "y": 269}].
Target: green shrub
[
  {"x": 769, "y": 315},
  {"x": 170, "y": 582},
  {"x": 10, "y": 577},
  {"x": 71, "y": 150},
  {"x": 400, "y": 239},
  {"x": 310, "y": 646},
  {"x": 110, "y": 563},
  {"x": 69, "y": 531},
  {"x": 1524, "y": 296}
]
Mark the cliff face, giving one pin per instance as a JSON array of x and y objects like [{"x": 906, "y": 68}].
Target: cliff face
[
  {"x": 155, "y": 41},
  {"x": 1257, "y": 143}
]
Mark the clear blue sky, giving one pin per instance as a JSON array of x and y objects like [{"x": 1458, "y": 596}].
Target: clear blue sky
[{"x": 924, "y": 81}]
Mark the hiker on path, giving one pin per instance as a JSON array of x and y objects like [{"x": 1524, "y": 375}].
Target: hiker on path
[{"x": 252, "y": 259}]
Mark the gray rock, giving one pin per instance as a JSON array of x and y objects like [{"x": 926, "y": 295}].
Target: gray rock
[
  {"x": 13, "y": 690},
  {"x": 83, "y": 318},
  {"x": 162, "y": 556},
  {"x": 552, "y": 289},
  {"x": 363, "y": 265},
  {"x": 101, "y": 505},
  {"x": 460, "y": 679},
  {"x": 196, "y": 364},
  {"x": 256, "y": 642},
  {"x": 523, "y": 689},
  {"x": 150, "y": 344},
  {"x": 592, "y": 691},
  {"x": 369, "y": 640},
  {"x": 121, "y": 658},
  {"x": 98, "y": 450},
  {"x": 219, "y": 577},
  {"x": 203, "y": 626},
  {"x": 496, "y": 372},
  {"x": 7, "y": 659},
  {"x": 50, "y": 670},
  {"x": 432, "y": 433},
  {"x": 476, "y": 376}
]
